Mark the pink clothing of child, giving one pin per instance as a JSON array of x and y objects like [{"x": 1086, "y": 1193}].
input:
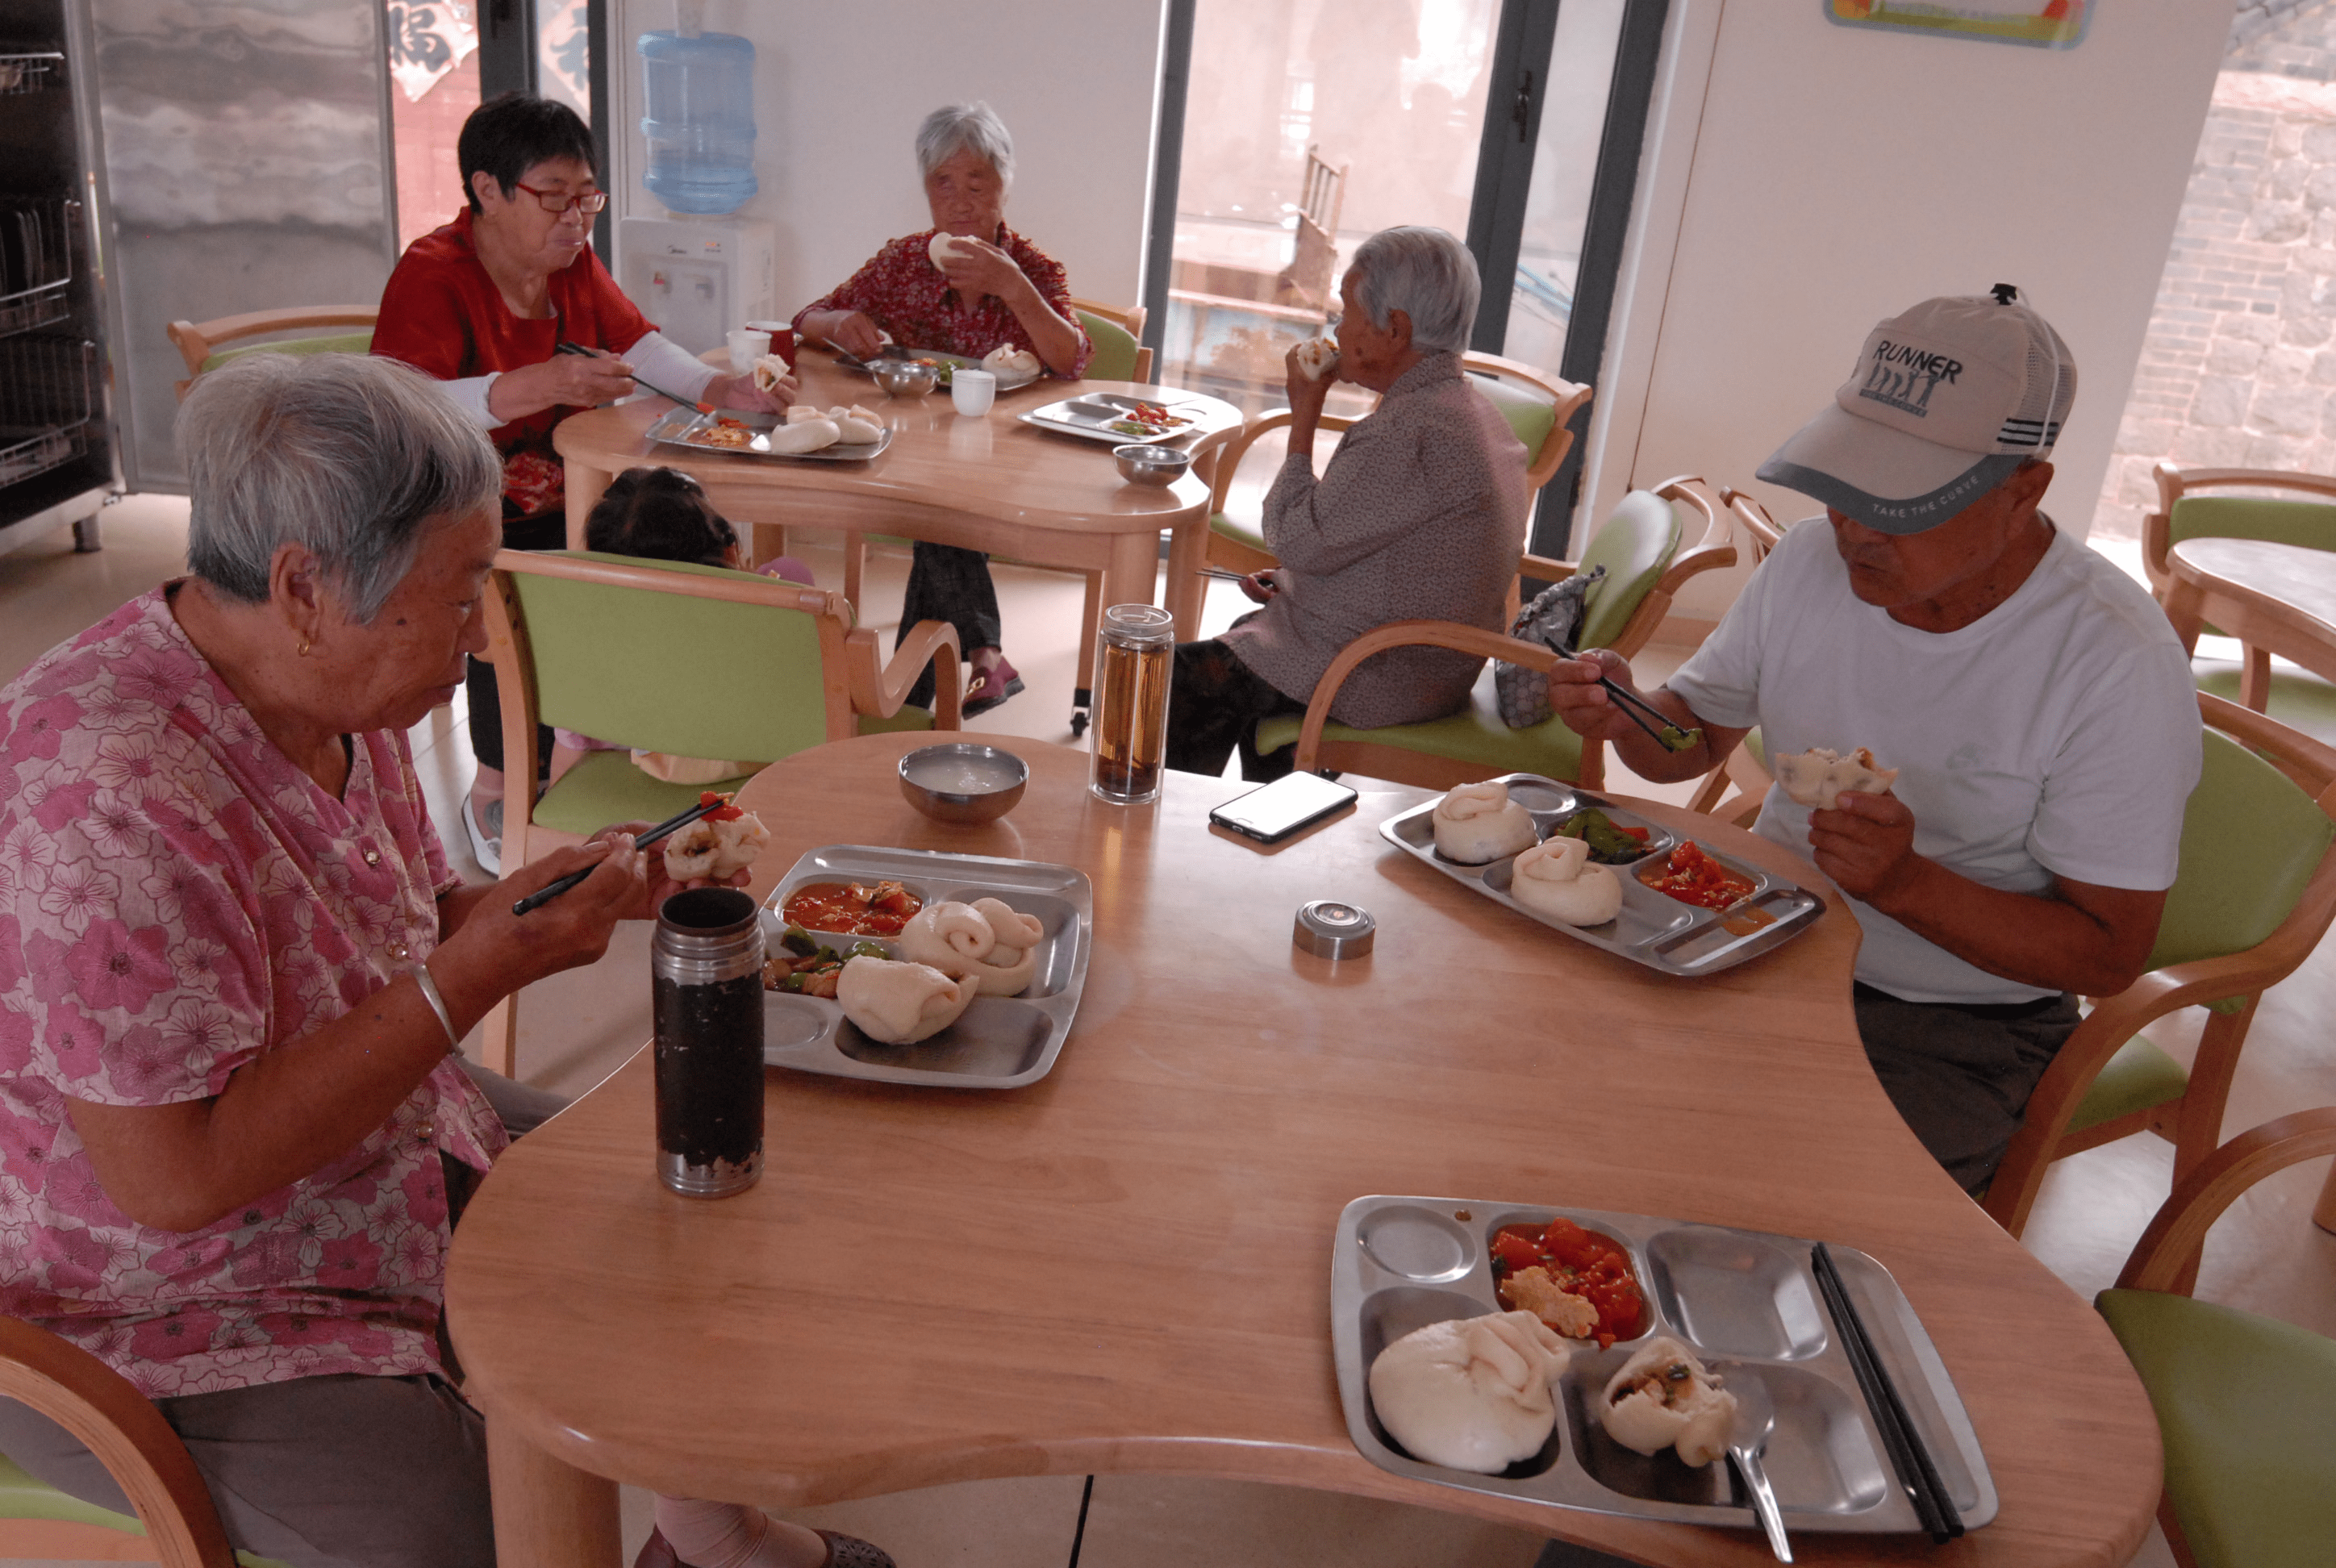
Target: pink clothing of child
[{"x": 177, "y": 899}]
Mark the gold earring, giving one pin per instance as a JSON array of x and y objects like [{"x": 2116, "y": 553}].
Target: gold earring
[{"x": 304, "y": 648}]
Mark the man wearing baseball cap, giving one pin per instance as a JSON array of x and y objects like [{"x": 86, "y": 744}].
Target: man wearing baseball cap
[{"x": 2032, "y": 699}]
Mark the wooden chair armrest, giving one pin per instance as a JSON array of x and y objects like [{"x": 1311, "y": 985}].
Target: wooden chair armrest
[
  {"x": 882, "y": 692},
  {"x": 129, "y": 1435},
  {"x": 2311, "y": 763},
  {"x": 2174, "y": 482},
  {"x": 1448, "y": 634},
  {"x": 1230, "y": 459},
  {"x": 1716, "y": 549},
  {"x": 2168, "y": 1246},
  {"x": 1547, "y": 568}
]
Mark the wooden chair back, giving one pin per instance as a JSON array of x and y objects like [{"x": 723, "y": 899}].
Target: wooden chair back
[
  {"x": 1308, "y": 280},
  {"x": 2311, "y": 523},
  {"x": 2165, "y": 1258},
  {"x": 1129, "y": 320},
  {"x": 203, "y": 345},
  {"x": 2228, "y": 935},
  {"x": 674, "y": 656},
  {"x": 107, "y": 1415}
]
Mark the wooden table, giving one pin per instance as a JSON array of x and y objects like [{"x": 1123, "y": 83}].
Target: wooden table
[
  {"x": 990, "y": 483},
  {"x": 2275, "y": 599},
  {"x": 1125, "y": 1266}
]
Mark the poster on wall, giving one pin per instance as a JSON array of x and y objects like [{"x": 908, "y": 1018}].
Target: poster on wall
[{"x": 2042, "y": 23}]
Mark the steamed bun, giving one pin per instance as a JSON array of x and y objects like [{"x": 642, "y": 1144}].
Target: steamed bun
[
  {"x": 940, "y": 247},
  {"x": 1471, "y": 1393},
  {"x": 987, "y": 942},
  {"x": 720, "y": 850},
  {"x": 1476, "y": 824},
  {"x": 1817, "y": 776},
  {"x": 1663, "y": 1398},
  {"x": 1318, "y": 358},
  {"x": 900, "y": 1003},
  {"x": 1557, "y": 878},
  {"x": 1006, "y": 359}
]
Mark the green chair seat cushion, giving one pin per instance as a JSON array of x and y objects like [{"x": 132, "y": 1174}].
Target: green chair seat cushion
[
  {"x": 606, "y": 787},
  {"x": 1116, "y": 348},
  {"x": 1249, "y": 533},
  {"x": 2139, "y": 1076},
  {"x": 1474, "y": 734},
  {"x": 335, "y": 343},
  {"x": 1635, "y": 546},
  {"x": 23, "y": 1497},
  {"x": 2250, "y": 841},
  {"x": 2247, "y": 1407},
  {"x": 1528, "y": 410},
  {"x": 2308, "y": 523}
]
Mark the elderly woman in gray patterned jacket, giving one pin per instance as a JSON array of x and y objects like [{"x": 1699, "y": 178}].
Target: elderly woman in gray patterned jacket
[{"x": 1420, "y": 515}]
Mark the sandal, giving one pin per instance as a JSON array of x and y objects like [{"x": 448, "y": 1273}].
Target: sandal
[{"x": 991, "y": 687}]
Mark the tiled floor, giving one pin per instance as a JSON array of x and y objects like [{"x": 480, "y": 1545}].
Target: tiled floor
[{"x": 577, "y": 1027}]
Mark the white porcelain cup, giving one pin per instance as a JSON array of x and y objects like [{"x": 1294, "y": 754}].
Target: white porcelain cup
[
  {"x": 746, "y": 347},
  {"x": 973, "y": 391}
]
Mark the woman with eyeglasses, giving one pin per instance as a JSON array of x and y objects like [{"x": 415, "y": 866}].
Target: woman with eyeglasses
[{"x": 483, "y": 304}]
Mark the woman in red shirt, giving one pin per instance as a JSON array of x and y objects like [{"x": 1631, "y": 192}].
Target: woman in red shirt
[
  {"x": 997, "y": 291},
  {"x": 483, "y": 304}
]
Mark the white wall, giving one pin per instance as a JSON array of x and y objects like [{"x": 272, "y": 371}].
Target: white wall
[
  {"x": 1820, "y": 178},
  {"x": 840, "y": 92}
]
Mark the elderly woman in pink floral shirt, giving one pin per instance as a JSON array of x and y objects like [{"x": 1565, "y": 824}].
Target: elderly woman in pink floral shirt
[{"x": 234, "y": 967}]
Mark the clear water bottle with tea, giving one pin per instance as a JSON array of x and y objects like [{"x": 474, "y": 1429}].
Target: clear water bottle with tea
[{"x": 1135, "y": 650}]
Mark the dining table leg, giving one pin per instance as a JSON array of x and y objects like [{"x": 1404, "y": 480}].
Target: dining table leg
[
  {"x": 1133, "y": 575},
  {"x": 2186, "y": 608},
  {"x": 548, "y": 1512},
  {"x": 585, "y": 485},
  {"x": 1188, "y": 552}
]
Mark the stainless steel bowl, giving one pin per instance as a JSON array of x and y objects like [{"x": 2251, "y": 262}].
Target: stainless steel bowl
[
  {"x": 903, "y": 377},
  {"x": 1147, "y": 465},
  {"x": 963, "y": 782}
]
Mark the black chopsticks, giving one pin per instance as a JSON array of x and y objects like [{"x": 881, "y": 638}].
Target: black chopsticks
[
  {"x": 551, "y": 891},
  {"x": 564, "y": 346},
  {"x": 1912, "y": 1460}
]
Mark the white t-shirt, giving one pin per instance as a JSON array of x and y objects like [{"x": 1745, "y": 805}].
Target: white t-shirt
[{"x": 2057, "y": 734}]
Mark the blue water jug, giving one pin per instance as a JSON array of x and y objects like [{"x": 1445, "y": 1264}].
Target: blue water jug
[{"x": 700, "y": 124}]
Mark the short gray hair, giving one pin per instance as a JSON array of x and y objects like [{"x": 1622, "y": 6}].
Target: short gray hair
[
  {"x": 348, "y": 455},
  {"x": 1429, "y": 276},
  {"x": 956, "y": 128}
]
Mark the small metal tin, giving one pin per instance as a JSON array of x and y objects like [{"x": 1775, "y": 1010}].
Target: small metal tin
[{"x": 1331, "y": 929}]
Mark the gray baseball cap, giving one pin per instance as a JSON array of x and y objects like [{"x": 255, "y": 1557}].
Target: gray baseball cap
[{"x": 1947, "y": 400}]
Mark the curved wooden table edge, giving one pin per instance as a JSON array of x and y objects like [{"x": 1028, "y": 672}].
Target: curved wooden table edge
[{"x": 1338, "y": 1467}]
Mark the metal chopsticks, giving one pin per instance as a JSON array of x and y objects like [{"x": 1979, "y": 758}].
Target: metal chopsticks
[
  {"x": 551, "y": 891},
  {"x": 564, "y": 346},
  {"x": 1912, "y": 1460}
]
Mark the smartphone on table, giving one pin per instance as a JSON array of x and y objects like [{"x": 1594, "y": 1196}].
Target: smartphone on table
[{"x": 1271, "y": 813}]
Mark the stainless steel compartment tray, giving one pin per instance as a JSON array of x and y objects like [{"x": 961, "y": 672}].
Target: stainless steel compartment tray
[
  {"x": 1653, "y": 928},
  {"x": 1089, "y": 416},
  {"x": 1745, "y": 1299},
  {"x": 673, "y": 427},
  {"x": 999, "y": 1042}
]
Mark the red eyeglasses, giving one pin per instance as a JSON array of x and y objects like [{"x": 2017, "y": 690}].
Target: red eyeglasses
[{"x": 587, "y": 201}]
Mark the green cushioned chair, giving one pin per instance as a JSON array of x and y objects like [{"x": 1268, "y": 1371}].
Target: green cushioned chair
[
  {"x": 2246, "y": 1404},
  {"x": 2184, "y": 512},
  {"x": 198, "y": 343},
  {"x": 1539, "y": 408},
  {"x": 131, "y": 1438},
  {"x": 697, "y": 661},
  {"x": 1118, "y": 355},
  {"x": 1639, "y": 546},
  {"x": 2255, "y": 892}
]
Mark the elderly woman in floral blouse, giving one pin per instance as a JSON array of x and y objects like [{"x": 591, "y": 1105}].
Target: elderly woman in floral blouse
[
  {"x": 997, "y": 291},
  {"x": 234, "y": 967}
]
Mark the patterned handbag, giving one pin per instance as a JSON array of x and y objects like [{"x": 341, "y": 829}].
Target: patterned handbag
[{"x": 1554, "y": 618}]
